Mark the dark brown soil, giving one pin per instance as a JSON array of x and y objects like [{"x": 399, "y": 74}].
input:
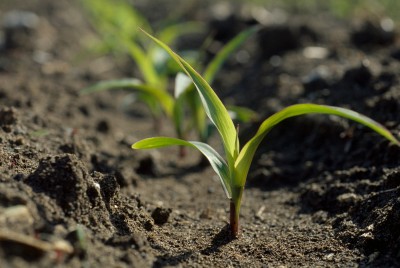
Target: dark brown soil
[{"x": 323, "y": 192}]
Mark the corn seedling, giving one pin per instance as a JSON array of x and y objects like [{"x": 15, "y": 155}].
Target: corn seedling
[
  {"x": 160, "y": 101},
  {"x": 233, "y": 170}
]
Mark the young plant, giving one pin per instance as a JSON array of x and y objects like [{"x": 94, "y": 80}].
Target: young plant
[
  {"x": 160, "y": 101},
  {"x": 233, "y": 170}
]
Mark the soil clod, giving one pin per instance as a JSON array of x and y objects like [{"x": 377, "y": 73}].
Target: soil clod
[{"x": 161, "y": 215}]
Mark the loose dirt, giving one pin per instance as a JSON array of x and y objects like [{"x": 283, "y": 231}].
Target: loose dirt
[{"x": 323, "y": 192}]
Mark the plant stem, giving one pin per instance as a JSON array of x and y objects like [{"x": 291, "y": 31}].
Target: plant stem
[
  {"x": 234, "y": 220},
  {"x": 235, "y": 203}
]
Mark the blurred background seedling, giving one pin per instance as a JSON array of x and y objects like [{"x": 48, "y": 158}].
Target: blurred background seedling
[{"x": 119, "y": 22}]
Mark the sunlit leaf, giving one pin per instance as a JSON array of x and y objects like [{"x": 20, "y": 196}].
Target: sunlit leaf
[
  {"x": 209, "y": 74},
  {"x": 246, "y": 155},
  {"x": 213, "y": 106},
  {"x": 217, "y": 162}
]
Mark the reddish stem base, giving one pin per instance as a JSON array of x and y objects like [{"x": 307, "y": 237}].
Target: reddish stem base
[{"x": 234, "y": 221}]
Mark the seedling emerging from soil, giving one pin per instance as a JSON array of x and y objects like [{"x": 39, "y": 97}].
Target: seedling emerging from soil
[{"x": 233, "y": 170}]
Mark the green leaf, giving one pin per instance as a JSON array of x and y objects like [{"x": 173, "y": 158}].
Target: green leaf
[
  {"x": 217, "y": 162},
  {"x": 166, "y": 101},
  {"x": 213, "y": 106},
  {"x": 215, "y": 65},
  {"x": 216, "y": 111},
  {"x": 245, "y": 157}
]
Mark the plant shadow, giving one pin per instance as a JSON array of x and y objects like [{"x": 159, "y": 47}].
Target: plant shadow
[
  {"x": 222, "y": 238},
  {"x": 168, "y": 260}
]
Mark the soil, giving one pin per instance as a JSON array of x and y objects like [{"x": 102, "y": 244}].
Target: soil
[{"x": 323, "y": 192}]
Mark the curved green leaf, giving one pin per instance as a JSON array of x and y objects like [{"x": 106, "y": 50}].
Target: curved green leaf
[
  {"x": 246, "y": 155},
  {"x": 162, "y": 96},
  {"x": 217, "y": 162},
  {"x": 216, "y": 111},
  {"x": 213, "y": 106},
  {"x": 216, "y": 63}
]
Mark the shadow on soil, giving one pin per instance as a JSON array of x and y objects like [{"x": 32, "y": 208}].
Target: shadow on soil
[{"x": 220, "y": 239}]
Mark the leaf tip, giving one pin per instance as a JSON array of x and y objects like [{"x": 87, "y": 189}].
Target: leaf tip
[{"x": 135, "y": 146}]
